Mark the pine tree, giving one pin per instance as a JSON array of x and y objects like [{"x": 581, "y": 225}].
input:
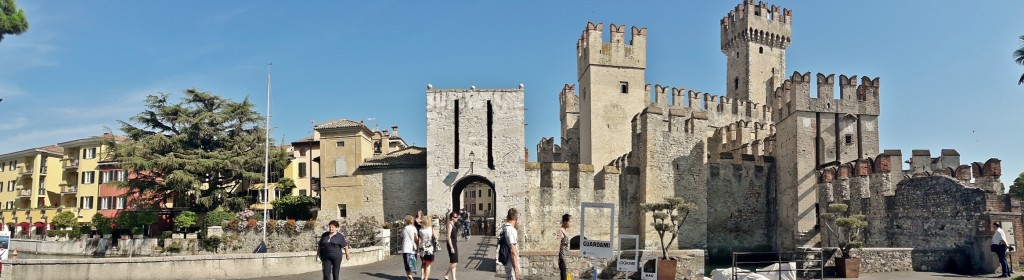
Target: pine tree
[
  {"x": 203, "y": 149},
  {"x": 12, "y": 19}
]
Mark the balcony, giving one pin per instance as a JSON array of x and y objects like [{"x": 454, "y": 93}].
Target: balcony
[
  {"x": 71, "y": 163},
  {"x": 24, "y": 193},
  {"x": 25, "y": 171},
  {"x": 68, "y": 189},
  {"x": 42, "y": 170}
]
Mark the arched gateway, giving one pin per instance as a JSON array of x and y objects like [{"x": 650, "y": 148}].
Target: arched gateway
[{"x": 476, "y": 139}]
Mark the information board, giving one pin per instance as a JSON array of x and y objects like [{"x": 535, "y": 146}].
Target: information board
[
  {"x": 648, "y": 265},
  {"x": 629, "y": 257},
  {"x": 5, "y": 244},
  {"x": 592, "y": 246}
]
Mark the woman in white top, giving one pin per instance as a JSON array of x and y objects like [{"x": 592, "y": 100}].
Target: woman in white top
[{"x": 426, "y": 239}]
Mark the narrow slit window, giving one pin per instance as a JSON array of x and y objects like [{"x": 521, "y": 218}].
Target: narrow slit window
[
  {"x": 624, "y": 87},
  {"x": 760, "y": 50},
  {"x": 456, "y": 134},
  {"x": 736, "y": 83},
  {"x": 490, "y": 135}
]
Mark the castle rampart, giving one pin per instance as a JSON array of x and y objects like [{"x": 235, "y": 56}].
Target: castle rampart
[
  {"x": 592, "y": 49},
  {"x": 795, "y": 94},
  {"x": 769, "y": 25}
]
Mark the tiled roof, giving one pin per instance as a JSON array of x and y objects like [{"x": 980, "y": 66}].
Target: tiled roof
[
  {"x": 52, "y": 149},
  {"x": 404, "y": 158},
  {"x": 339, "y": 123},
  {"x": 308, "y": 138}
]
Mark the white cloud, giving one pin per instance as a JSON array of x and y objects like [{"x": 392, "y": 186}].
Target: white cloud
[
  {"x": 9, "y": 90},
  {"x": 47, "y": 136},
  {"x": 18, "y": 122}
]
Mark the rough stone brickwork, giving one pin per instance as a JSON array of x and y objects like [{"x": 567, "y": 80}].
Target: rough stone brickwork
[
  {"x": 536, "y": 264},
  {"x": 569, "y": 112},
  {"x": 740, "y": 226},
  {"x": 507, "y": 175}
]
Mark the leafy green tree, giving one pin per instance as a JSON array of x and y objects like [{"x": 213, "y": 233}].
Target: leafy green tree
[
  {"x": 103, "y": 224},
  {"x": 185, "y": 220},
  {"x": 668, "y": 216},
  {"x": 12, "y": 19},
  {"x": 202, "y": 149},
  {"x": 296, "y": 207},
  {"x": 218, "y": 217},
  {"x": 1018, "y": 56},
  {"x": 285, "y": 185},
  {"x": 65, "y": 219},
  {"x": 1017, "y": 188}
]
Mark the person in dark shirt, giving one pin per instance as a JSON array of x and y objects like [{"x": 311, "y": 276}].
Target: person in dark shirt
[{"x": 329, "y": 250}]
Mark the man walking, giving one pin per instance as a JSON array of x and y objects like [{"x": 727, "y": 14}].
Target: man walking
[
  {"x": 999, "y": 247},
  {"x": 509, "y": 244}
]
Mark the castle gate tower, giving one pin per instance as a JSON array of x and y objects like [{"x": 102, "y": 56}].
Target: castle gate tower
[
  {"x": 611, "y": 79},
  {"x": 475, "y": 139},
  {"x": 754, "y": 41}
]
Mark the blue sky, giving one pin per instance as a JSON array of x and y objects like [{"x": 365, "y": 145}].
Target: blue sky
[{"x": 948, "y": 80}]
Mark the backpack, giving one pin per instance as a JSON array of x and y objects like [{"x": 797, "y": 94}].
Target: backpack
[{"x": 504, "y": 250}]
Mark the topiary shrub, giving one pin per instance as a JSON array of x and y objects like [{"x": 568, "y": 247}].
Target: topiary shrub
[
  {"x": 185, "y": 220},
  {"x": 218, "y": 217}
]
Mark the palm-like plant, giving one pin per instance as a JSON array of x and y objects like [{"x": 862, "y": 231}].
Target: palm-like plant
[
  {"x": 669, "y": 216},
  {"x": 1018, "y": 57}
]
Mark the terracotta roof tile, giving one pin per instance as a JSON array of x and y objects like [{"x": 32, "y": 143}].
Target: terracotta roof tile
[
  {"x": 338, "y": 124},
  {"x": 409, "y": 157}
]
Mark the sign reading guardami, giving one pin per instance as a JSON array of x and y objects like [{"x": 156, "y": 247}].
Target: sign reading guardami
[{"x": 597, "y": 248}]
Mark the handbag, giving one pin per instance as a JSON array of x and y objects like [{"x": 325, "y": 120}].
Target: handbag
[{"x": 433, "y": 242}]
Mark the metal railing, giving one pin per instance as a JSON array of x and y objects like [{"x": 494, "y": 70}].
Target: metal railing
[
  {"x": 24, "y": 192},
  {"x": 68, "y": 189},
  {"x": 70, "y": 163},
  {"x": 809, "y": 265},
  {"x": 24, "y": 170}
]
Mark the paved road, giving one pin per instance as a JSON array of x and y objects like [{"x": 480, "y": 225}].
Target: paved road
[{"x": 477, "y": 262}]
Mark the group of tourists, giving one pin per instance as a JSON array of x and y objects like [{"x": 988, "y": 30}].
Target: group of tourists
[{"x": 420, "y": 245}]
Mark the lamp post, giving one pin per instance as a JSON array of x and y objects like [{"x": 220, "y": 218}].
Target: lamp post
[{"x": 472, "y": 158}]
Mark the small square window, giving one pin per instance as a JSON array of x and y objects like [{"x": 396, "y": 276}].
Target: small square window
[
  {"x": 624, "y": 87},
  {"x": 849, "y": 139},
  {"x": 341, "y": 143}
]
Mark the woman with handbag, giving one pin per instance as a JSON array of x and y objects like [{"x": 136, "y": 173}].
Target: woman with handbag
[
  {"x": 427, "y": 239},
  {"x": 329, "y": 250}
]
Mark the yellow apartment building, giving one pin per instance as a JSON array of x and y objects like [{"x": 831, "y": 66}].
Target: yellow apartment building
[{"x": 30, "y": 190}]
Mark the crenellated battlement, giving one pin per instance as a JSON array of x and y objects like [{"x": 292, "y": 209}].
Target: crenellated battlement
[
  {"x": 591, "y": 49},
  {"x": 680, "y": 101},
  {"x": 749, "y": 22},
  {"x": 984, "y": 176},
  {"x": 742, "y": 138},
  {"x": 795, "y": 94},
  {"x": 568, "y": 100}
]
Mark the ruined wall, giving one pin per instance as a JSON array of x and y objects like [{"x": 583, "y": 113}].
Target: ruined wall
[{"x": 741, "y": 205}]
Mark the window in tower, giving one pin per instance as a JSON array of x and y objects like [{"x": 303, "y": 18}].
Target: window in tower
[
  {"x": 849, "y": 139},
  {"x": 624, "y": 87},
  {"x": 760, "y": 50},
  {"x": 736, "y": 83}
]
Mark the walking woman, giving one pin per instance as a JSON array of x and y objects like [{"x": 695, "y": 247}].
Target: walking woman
[
  {"x": 563, "y": 246},
  {"x": 453, "y": 245},
  {"x": 427, "y": 240},
  {"x": 329, "y": 250}
]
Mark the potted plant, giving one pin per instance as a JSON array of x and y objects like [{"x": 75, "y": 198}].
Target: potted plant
[
  {"x": 668, "y": 217},
  {"x": 846, "y": 229},
  {"x": 137, "y": 233}
]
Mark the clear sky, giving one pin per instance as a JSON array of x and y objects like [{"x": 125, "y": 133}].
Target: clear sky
[{"x": 947, "y": 77}]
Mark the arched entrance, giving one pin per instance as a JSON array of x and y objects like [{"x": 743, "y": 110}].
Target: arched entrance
[{"x": 477, "y": 195}]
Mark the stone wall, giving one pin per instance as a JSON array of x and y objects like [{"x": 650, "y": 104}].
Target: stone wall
[
  {"x": 740, "y": 226},
  {"x": 544, "y": 264},
  {"x": 550, "y": 193},
  {"x": 86, "y": 247},
  {"x": 224, "y": 266},
  {"x": 874, "y": 260}
]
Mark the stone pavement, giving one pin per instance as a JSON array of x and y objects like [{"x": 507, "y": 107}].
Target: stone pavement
[{"x": 477, "y": 262}]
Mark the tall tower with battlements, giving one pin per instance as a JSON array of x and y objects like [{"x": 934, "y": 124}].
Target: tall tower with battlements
[
  {"x": 754, "y": 41},
  {"x": 611, "y": 90}
]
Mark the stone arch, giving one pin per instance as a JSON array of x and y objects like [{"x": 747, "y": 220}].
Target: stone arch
[{"x": 473, "y": 180}]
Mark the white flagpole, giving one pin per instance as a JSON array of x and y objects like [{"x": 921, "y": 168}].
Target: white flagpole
[{"x": 266, "y": 163}]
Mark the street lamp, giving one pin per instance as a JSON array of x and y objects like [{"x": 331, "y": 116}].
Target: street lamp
[{"x": 472, "y": 157}]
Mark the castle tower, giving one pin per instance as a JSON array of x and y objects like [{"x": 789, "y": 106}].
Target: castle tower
[
  {"x": 814, "y": 131},
  {"x": 611, "y": 80},
  {"x": 754, "y": 41},
  {"x": 569, "y": 112}
]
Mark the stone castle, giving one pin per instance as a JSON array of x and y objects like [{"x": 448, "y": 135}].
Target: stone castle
[{"x": 761, "y": 162}]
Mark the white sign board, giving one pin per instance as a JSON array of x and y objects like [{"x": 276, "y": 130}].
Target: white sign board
[
  {"x": 590, "y": 246},
  {"x": 648, "y": 265},
  {"x": 1008, "y": 230},
  {"x": 628, "y": 254}
]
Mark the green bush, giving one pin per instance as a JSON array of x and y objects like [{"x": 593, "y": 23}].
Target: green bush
[
  {"x": 185, "y": 220},
  {"x": 218, "y": 217},
  {"x": 136, "y": 231},
  {"x": 175, "y": 247},
  {"x": 362, "y": 232},
  {"x": 165, "y": 234},
  {"x": 210, "y": 244},
  {"x": 103, "y": 224},
  {"x": 296, "y": 207},
  {"x": 65, "y": 219},
  {"x": 85, "y": 229}
]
